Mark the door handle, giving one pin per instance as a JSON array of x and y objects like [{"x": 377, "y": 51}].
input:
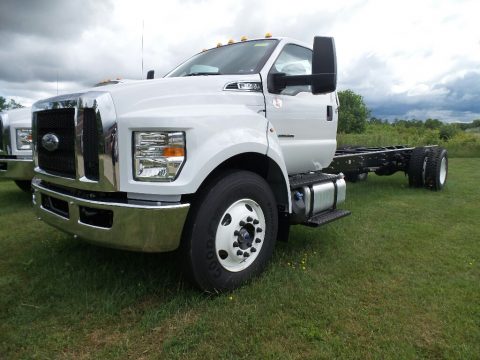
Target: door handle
[{"x": 329, "y": 113}]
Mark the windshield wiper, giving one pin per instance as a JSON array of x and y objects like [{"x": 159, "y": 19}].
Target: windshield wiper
[{"x": 203, "y": 73}]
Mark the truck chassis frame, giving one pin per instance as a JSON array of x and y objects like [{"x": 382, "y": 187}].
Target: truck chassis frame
[{"x": 355, "y": 160}]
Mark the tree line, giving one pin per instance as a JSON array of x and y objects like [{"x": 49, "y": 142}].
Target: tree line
[
  {"x": 6, "y": 104},
  {"x": 354, "y": 116}
]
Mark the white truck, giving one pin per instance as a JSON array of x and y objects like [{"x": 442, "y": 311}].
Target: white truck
[
  {"x": 16, "y": 147},
  {"x": 216, "y": 159}
]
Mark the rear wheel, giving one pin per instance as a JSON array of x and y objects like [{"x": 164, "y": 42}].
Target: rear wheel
[
  {"x": 355, "y": 176},
  {"x": 231, "y": 231},
  {"x": 24, "y": 185},
  {"x": 416, "y": 167},
  {"x": 362, "y": 176},
  {"x": 436, "y": 169}
]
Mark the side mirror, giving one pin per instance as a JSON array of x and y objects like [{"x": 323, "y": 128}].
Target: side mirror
[
  {"x": 324, "y": 65},
  {"x": 150, "y": 74},
  {"x": 324, "y": 70}
]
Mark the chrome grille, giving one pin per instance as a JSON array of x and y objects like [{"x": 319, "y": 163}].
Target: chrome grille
[
  {"x": 59, "y": 122},
  {"x": 90, "y": 144},
  {"x": 85, "y": 125}
]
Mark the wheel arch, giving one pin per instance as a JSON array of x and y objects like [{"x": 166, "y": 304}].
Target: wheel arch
[{"x": 262, "y": 165}]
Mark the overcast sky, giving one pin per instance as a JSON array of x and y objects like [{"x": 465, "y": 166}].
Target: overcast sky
[{"x": 409, "y": 59}]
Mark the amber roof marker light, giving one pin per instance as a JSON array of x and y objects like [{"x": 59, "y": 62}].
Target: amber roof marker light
[{"x": 243, "y": 38}]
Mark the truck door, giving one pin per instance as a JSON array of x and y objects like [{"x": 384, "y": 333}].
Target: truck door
[{"x": 305, "y": 124}]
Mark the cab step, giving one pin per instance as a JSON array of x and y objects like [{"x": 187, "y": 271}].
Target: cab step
[{"x": 326, "y": 217}]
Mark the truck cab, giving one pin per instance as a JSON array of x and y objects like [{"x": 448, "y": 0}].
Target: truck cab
[
  {"x": 215, "y": 160},
  {"x": 16, "y": 147},
  {"x": 305, "y": 123}
]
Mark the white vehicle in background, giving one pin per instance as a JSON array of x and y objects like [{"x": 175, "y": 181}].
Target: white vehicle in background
[
  {"x": 216, "y": 159},
  {"x": 16, "y": 147}
]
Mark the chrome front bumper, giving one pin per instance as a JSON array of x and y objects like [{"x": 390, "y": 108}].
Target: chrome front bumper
[
  {"x": 142, "y": 228},
  {"x": 16, "y": 169}
]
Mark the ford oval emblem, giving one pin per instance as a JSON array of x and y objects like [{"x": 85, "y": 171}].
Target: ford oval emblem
[{"x": 50, "y": 142}]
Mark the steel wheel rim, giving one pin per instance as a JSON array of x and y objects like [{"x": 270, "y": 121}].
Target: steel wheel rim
[
  {"x": 443, "y": 170},
  {"x": 240, "y": 235}
]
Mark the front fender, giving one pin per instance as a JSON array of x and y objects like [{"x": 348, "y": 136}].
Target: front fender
[
  {"x": 276, "y": 154},
  {"x": 214, "y": 133}
]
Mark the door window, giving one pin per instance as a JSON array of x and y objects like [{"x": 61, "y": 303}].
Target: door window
[{"x": 294, "y": 60}]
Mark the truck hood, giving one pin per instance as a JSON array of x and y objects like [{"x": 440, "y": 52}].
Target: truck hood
[{"x": 141, "y": 95}]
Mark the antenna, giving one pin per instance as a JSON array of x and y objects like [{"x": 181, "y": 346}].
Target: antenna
[{"x": 143, "y": 27}]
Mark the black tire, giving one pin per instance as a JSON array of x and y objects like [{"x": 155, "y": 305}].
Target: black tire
[
  {"x": 436, "y": 170},
  {"x": 362, "y": 176},
  {"x": 207, "y": 214},
  {"x": 24, "y": 185},
  {"x": 416, "y": 167},
  {"x": 355, "y": 176}
]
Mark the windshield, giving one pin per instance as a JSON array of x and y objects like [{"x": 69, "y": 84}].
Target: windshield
[{"x": 240, "y": 58}]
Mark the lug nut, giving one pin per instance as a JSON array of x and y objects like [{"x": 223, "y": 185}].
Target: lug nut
[
  {"x": 258, "y": 241},
  {"x": 239, "y": 252},
  {"x": 249, "y": 244},
  {"x": 253, "y": 249},
  {"x": 255, "y": 222},
  {"x": 259, "y": 230},
  {"x": 242, "y": 223},
  {"x": 249, "y": 219},
  {"x": 235, "y": 244},
  {"x": 236, "y": 233},
  {"x": 246, "y": 254}
]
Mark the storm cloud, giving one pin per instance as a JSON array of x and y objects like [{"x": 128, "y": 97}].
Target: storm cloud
[
  {"x": 47, "y": 42},
  {"x": 51, "y": 19},
  {"x": 408, "y": 60},
  {"x": 457, "y": 99}
]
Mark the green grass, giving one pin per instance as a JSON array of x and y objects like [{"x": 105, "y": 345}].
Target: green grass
[
  {"x": 399, "y": 278},
  {"x": 462, "y": 144}
]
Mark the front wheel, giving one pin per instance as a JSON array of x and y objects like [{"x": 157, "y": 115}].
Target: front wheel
[{"x": 231, "y": 231}]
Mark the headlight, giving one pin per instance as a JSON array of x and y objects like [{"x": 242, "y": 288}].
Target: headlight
[
  {"x": 157, "y": 156},
  {"x": 24, "y": 139}
]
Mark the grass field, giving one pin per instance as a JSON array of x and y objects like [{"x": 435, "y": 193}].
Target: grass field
[
  {"x": 463, "y": 144},
  {"x": 399, "y": 278}
]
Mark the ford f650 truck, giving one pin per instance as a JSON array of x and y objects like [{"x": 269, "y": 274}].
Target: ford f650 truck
[
  {"x": 16, "y": 147},
  {"x": 217, "y": 159}
]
